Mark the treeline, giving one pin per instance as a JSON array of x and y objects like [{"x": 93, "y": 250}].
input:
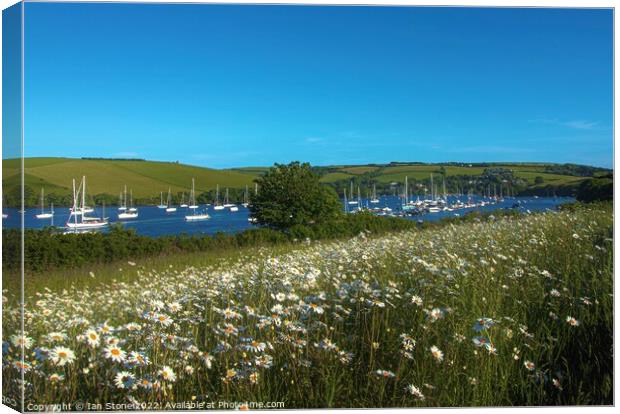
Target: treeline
[
  {"x": 46, "y": 249},
  {"x": 112, "y": 159}
]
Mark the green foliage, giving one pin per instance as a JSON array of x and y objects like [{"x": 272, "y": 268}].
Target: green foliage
[
  {"x": 539, "y": 180},
  {"x": 596, "y": 189},
  {"x": 291, "y": 195}
]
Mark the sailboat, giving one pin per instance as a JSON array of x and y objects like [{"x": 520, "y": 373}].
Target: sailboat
[
  {"x": 374, "y": 199},
  {"x": 183, "y": 205},
  {"x": 161, "y": 201},
  {"x": 130, "y": 212},
  {"x": 169, "y": 208},
  {"x": 78, "y": 211},
  {"x": 123, "y": 200},
  {"x": 352, "y": 201},
  {"x": 192, "y": 197},
  {"x": 227, "y": 203},
  {"x": 216, "y": 204},
  {"x": 81, "y": 221},
  {"x": 246, "y": 198},
  {"x": 195, "y": 216},
  {"x": 43, "y": 214},
  {"x": 132, "y": 209}
]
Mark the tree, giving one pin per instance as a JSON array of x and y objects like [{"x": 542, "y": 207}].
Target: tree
[
  {"x": 596, "y": 189},
  {"x": 539, "y": 180},
  {"x": 291, "y": 195}
]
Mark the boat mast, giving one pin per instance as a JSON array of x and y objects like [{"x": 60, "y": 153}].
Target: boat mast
[{"x": 83, "y": 192}]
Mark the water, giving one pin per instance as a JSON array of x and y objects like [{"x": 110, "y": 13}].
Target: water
[{"x": 153, "y": 221}]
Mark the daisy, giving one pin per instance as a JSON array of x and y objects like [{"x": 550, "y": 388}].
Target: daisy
[
  {"x": 483, "y": 323},
  {"x": 264, "y": 361},
  {"x": 21, "y": 340},
  {"x": 208, "y": 360},
  {"x": 277, "y": 309},
  {"x": 435, "y": 314},
  {"x": 167, "y": 374},
  {"x": 163, "y": 319},
  {"x": 415, "y": 391},
  {"x": 256, "y": 346},
  {"x": 61, "y": 356},
  {"x": 437, "y": 353},
  {"x": 231, "y": 314},
  {"x": 384, "y": 373},
  {"x": 316, "y": 308},
  {"x": 480, "y": 341},
  {"x": 57, "y": 336},
  {"x": 92, "y": 338},
  {"x": 114, "y": 353},
  {"x": 138, "y": 358},
  {"x": 55, "y": 377},
  {"x": 132, "y": 327},
  {"x": 22, "y": 366},
  {"x": 416, "y": 300},
  {"x": 280, "y": 297},
  {"x": 529, "y": 365},
  {"x": 253, "y": 377},
  {"x": 572, "y": 321},
  {"x": 124, "y": 380}
]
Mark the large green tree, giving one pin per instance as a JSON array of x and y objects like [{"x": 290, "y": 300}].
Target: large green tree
[{"x": 290, "y": 195}]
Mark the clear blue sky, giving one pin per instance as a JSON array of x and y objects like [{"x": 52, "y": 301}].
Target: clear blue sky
[{"x": 224, "y": 86}]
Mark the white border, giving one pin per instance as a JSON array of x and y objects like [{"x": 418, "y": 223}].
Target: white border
[{"x": 479, "y": 3}]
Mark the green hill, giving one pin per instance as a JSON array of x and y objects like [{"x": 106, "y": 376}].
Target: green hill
[
  {"x": 106, "y": 177},
  {"x": 146, "y": 178}
]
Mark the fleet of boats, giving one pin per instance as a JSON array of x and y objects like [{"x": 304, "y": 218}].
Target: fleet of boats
[
  {"x": 429, "y": 203},
  {"x": 80, "y": 217},
  {"x": 81, "y": 220}
]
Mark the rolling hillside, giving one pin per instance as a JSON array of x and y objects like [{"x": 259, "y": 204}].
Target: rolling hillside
[{"x": 148, "y": 178}]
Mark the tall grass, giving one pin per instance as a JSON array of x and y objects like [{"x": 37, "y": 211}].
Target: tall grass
[{"x": 512, "y": 311}]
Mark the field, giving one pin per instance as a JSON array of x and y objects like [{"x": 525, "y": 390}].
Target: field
[
  {"x": 509, "y": 311},
  {"x": 146, "y": 178}
]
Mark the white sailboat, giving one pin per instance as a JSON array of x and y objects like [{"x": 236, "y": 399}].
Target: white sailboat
[
  {"x": 216, "y": 204},
  {"x": 43, "y": 214},
  {"x": 374, "y": 199},
  {"x": 161, "y": 201},
  {"x": 227, "y": 202},
  {"x": 169, "y": 208},
  {"x": 80, "y": 210},
  {"x": 123, "y": 200},
  {"x": 246, "y": 198},
  {"x": 192, "y": 197},
  {"x": 81, "y": 221},
  {"x": 131, "y": 212},
  {"x": 132, "y": 209},
  {"x": 183, "y": 204},
  {"x": 352, "y": 201},
  {"x": 195, "y": 216}
]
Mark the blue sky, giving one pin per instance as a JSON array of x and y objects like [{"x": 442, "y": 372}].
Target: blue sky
[{"x": 223, "y": 86}]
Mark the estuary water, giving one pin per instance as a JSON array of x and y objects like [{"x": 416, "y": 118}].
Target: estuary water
[{"x": 153, "y": 221}]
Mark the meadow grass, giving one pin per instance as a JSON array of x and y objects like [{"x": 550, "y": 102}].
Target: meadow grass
[{"x": 510, "y": 311}]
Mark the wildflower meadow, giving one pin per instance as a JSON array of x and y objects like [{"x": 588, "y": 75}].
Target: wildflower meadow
[{"x": 514, "y": 310}]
